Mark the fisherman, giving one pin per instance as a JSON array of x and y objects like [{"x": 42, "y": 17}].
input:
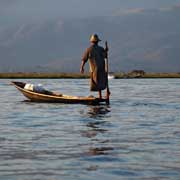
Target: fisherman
[{"x": 96, "y": 56}]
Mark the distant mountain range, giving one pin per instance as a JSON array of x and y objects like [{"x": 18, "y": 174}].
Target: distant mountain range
[{"x": 138, "y": 39}]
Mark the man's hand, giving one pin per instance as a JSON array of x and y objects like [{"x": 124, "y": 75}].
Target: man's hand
[
  {"x": 82, "y": 70},
  {"x": 82, "y": 67}
]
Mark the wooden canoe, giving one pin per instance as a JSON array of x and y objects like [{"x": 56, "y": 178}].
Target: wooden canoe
[{"x": 56, "y": 98}]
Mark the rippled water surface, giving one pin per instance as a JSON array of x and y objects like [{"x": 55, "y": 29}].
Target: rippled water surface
[{"x": 136, "y": 137}]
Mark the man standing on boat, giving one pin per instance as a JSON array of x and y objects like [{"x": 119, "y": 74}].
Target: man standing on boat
[{"x": 96, "y": 55}]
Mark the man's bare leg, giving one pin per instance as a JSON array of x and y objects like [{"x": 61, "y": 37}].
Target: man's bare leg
[{"x": 100, "y": 94}]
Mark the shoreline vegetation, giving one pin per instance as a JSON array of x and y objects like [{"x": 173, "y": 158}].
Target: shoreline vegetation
[{"x": 129, "y": 75}]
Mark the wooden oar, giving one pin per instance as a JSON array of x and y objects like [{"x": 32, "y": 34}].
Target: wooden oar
[{"x": 107, "y": 71}]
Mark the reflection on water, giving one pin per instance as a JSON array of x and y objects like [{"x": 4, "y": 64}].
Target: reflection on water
[
  {"x": 98, "y": 111},
  {"x": 95, "y": 118},
  {"x": 99, "y": 151},
  {"x": 95, "y": 126},
  {"x": 95, "y": 115}
]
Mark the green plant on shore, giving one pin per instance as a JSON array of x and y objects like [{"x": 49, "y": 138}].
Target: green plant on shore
[{"x": 120, "y": 75}]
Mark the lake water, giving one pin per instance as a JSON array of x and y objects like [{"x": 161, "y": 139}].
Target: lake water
[{"x": 136, "y": 137}]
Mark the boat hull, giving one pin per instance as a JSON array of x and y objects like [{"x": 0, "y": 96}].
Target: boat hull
[{"x": 52, "y": 98}]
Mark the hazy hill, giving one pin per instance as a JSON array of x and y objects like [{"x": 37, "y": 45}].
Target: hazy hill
[{"x": 138, "y": 39}]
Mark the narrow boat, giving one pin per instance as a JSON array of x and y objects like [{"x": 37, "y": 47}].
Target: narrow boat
[{"x": 53, "y": 97}]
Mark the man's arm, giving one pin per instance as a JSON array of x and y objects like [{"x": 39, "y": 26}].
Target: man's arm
[
  {"x": 84, "y": 60},
  {"x": 82, "y": 67}
]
